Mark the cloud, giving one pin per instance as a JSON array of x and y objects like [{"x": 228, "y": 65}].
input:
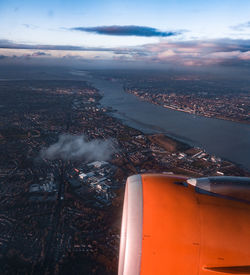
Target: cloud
[
  {"x": 40, "y": 54},
  {"x": 241, "y": 27},
  {"x": 30, "y": 26},
  {"x": 127, "y": 31},
  {"x": 25, "y": 55},
  {"x": 175, "y": 53},
  {"x": 7, "y": 44},
  {"x": 75, "y": 147},
  {"x": 197, "y": 53}
]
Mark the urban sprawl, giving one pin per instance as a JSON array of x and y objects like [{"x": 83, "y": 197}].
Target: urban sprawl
[{"x": 62, "y": 216}]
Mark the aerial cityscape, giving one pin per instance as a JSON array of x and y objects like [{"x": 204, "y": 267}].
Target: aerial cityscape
[
  {"x": 92, "y": 93},
  {"x": 196, "y": 98},
  {"x": 66, "y": 204}
]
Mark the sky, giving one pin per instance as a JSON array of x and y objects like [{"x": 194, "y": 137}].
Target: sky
[{"x": 187, "y": 33}]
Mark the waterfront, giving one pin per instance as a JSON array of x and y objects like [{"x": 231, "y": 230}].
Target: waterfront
[{"x": 226, "y": 139}]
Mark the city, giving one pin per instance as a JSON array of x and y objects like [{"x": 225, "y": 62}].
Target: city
[
  {"x": 64, "y": 214},
  {"x": 195, "y": 93}
]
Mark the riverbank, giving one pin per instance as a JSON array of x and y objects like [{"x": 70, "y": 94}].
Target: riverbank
[
  {"x": 226, "y": 139},
  {"x": 195, "y": 161},
  {"x": 147, "y": 98}
]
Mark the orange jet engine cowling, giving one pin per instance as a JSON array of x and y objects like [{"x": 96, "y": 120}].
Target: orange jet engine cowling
[{"x": 179, "y": 226}]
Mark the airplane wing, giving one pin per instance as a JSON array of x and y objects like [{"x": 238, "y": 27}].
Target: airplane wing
[{"x": 172, "y": 225}]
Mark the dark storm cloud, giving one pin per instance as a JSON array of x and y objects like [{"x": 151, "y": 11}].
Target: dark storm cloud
[{"x": 127, "y": 31}]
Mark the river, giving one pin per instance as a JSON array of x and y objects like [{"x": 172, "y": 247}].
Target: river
[{"x": 226, "y": 139}]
